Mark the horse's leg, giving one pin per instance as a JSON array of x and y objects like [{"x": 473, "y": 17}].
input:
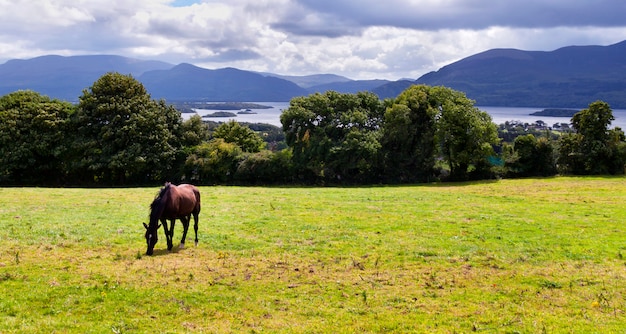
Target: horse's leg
[
  {"x": 170, "y": 240},
  {"x": 195, "y": 226},
  {"x": 185, "y": 221},
  {"x": 166, "y": 231}
]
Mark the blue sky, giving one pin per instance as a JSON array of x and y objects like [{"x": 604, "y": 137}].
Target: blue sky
[
  {"x": 184, "y": 3},
  {"x": 364, "y": 39}
]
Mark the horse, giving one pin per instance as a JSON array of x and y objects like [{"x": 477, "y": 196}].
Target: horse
[{"x": 172, "y": 202}]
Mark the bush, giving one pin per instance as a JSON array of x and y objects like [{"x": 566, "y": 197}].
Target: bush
[
  {"x": 212, "y": 163},
  {"x": 265, "y": 167}
]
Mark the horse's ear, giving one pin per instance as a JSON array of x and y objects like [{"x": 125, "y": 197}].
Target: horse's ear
[{"x": 145, "y": 225}]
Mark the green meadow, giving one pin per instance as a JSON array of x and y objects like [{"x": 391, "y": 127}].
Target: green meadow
[{"x": 508, "y": 256}]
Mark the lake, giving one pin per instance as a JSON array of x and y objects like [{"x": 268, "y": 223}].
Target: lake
[
  {"x": 503, "y": 114},
  {"x": 498, "y": 114}
]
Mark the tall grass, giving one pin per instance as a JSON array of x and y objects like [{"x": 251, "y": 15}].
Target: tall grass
[{"x": 532, "y": 255}]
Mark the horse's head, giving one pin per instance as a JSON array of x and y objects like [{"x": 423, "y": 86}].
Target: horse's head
[
  {"x": 151, "y": 237},
  {"x": 156, "y": 208}
]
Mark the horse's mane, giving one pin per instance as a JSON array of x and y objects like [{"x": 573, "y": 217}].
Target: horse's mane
[{"x": 157, "y": 205}]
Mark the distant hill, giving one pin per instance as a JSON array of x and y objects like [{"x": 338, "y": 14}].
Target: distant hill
[
  {"x": 307, "y": 81},
  {"x": 325, "y": 82},
  {"x": 352, "y": 86},
  {"x": 392, "y": 89},
  {"x": 192, "y": 83},
  {"x": 572, "y": 76},
  {"x": 65, "y": 77}
]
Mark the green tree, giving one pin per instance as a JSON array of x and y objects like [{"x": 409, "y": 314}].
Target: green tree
[
  {"x": 233, "y": 132},
  {"x": 545, "y": 158},
  {"x": 194, "y": 132},
  {"x": 123, "y": 135},
  {"x": 212, "y": 162},
  {"x": 617, "y": 147},
  {"x": 265, "y": 167},
  {"x": 593, "y": 123},
  {"x": 594, "y": 148},
  {"x": 465, "y": 135},
  {"x": 334, "y": 136},
  {"x": 408, "y": 141},
  {"x": 569, "y": 158},
  {"x": 32, "y": 144},
  {"x": 273, "y": 135},
  {"x": 533, "y": 157}
]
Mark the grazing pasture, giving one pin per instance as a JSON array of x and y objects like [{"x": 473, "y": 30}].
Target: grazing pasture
[{"x": 530, "y": 255}]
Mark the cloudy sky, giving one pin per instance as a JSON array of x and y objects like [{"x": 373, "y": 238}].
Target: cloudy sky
[{"x": 360, "y": 39}]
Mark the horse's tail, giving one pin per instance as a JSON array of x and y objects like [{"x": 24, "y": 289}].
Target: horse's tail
[{"x": 196, "y": 192}]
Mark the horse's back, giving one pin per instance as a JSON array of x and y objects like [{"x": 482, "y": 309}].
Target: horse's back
[{"x": 189, "y": 197}]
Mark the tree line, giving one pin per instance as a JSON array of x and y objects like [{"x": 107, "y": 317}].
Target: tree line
[{"x": 116, "y": 135}]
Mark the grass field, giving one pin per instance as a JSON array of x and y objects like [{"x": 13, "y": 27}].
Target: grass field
[{"x": 527, "y": 256}]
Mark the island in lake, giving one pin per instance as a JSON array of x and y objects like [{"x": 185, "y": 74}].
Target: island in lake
[
  {"x": 189, "y": 106},
  {"x": 555, "y": 112},
  {"x": 246, "y": 112},
  {"x": 220, "y": 114}
]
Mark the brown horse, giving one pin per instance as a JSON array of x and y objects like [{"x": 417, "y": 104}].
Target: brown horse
[{"x": 173, "y": 202}]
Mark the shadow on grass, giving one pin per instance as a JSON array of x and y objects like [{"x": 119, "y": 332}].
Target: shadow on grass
[{"x": 164, "y": 251}]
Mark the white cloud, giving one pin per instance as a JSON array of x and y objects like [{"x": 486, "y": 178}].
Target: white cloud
[{"x": 360, "y": 39}]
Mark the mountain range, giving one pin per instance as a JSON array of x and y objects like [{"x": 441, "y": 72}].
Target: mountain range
[{"x": 572, "y": 76}]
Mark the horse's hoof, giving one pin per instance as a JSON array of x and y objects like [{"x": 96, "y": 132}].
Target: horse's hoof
[
  {"x": 182, "y": 246},
  {"x": 196, "y": 244}
]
